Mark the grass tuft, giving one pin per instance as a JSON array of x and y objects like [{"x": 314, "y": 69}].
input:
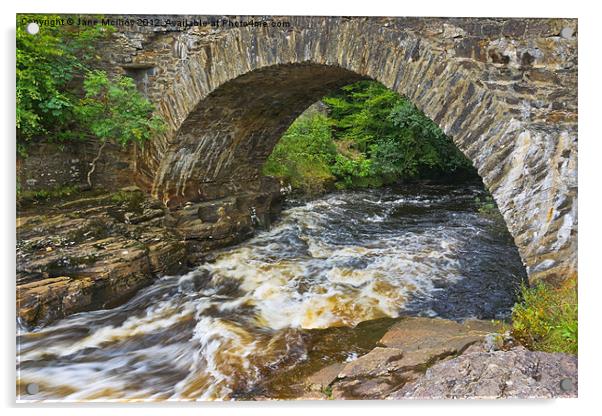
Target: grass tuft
[{"x": 546, "y": 319}]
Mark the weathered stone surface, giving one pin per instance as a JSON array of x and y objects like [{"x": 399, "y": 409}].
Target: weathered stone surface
[
  {"x": 415, "y": 334},
  {"x": 53, "y": 166},
  {"x": 323, "y": 378},
  {"x": 94, "y": 250},
  {"x": 91, "y": 252},
  {"x": 436, "y": 359},
  {"x": 374, "y": 388},
  {"x": 372, "y": 363},
  {"x": 517, "y": 373}
]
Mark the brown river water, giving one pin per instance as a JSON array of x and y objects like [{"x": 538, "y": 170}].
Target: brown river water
[{"x": 321, "y": 286}]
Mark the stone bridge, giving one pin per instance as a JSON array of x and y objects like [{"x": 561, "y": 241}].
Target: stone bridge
[{"x": 505, "y": 91}]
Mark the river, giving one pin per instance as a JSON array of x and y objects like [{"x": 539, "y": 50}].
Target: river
[{"x": 320, "y": 286}]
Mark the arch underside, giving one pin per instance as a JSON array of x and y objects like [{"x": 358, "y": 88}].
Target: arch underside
[
  {"x": 226, "y": 123},
  {"x": 228, "y": 137}
]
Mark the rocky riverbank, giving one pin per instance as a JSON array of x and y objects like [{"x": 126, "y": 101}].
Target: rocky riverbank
[
  {"x": 96, "y": 249},
  {"x": 426, "y": 358}
]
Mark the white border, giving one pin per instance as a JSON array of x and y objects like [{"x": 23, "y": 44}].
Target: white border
[{"x": 590, "y": 164}]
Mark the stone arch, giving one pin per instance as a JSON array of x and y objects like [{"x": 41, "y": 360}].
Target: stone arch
[{"x": 224, "y": 118}]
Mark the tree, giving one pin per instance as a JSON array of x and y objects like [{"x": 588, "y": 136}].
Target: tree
[
  {"x": 114, "y": 110},
  {"x": 50, "y": 68},
  {"x": 359, "y": 112},
  {"x": 62, "y": 98},
  {"x": 399, "y": 140},
  {"x": 371, "y": 136},
  {"x": 304, "y": 154}
]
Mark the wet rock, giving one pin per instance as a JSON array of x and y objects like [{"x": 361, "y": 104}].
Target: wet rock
[
  {"x": 212, "y": 211},
  {"x": 221, "y": 222},
  {"x": 375, "y": 388},
  {"x": 437, "y": 359},
  {"x": 417, "y": 333},
  {"x": 405, "y": 351},
  {"x": 114, "y": 269},
  {"x": 518, "y": 373},
  {"x": 95, "y": 250},
  {"x": 45, "y": 300},
  {"x": 323, "y": 378},
  {"x": 374, "y": 362}
]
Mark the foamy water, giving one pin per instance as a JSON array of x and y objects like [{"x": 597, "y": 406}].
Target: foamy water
[{"x": 221, "y": 330}]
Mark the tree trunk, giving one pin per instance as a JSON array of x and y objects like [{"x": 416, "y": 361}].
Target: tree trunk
[{"x": 93, "y": 164}]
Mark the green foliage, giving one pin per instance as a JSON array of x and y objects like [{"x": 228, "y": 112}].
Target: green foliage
[
  {"x": 348, "y": 170},
  {"x": 328, "y": 392},
  {"x": 49, "y": 68},
  {"x": 46, "y": 194},
  {"x": 546, "y": 319},
  {"x": 115, "y": 110},
  {"x": 360, "y": 112},
  {"x": 380, "y": 138},
  {"x": 131, "y": 200},
  {"x": 486, "y": 206},
  {"x": 426, "y": 151},
  {"x": 399, "y": 139},
  {"x": 60, "y": 98},
  {"x": 304, "y": 154}
]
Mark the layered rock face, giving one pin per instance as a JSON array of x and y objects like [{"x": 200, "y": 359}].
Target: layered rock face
[
  {"x": 505, "y": 91},
  {"x": 89, "y": 253},
  {"x": 96, "y": 250}
]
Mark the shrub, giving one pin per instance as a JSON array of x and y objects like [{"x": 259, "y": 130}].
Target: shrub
[
  {"x": 546, "y": 319},
  {"x": 351, "y": 171},
  {"x": 50, "y": 68},
  {"x": 61, "y": 98},
  {"x": 303, "y": 156}
]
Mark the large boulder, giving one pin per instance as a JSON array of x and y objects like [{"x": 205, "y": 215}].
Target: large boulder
[{"x": 426, "y": 358}]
